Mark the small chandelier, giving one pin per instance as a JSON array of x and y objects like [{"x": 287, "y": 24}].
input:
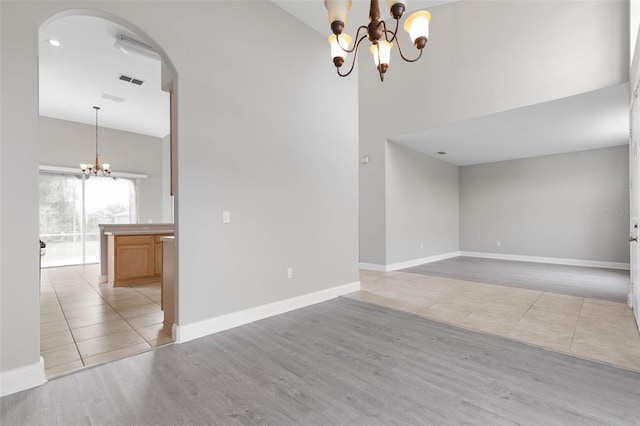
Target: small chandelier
[
  {"x": 93, "y": 169},
  {"x": 417, "y": 25}
]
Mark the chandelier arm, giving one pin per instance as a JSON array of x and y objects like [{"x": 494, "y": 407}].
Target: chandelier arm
[
  {"x": 386, "y": 31},
  {"x": 355, "y": 56},
  {"x": 403, "y": 57},
  {"x": 361, "y": 27}
]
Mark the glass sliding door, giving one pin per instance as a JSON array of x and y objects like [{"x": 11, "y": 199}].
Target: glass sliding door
[
  {"x": 72, "y": 206},
  {"x": 61, "y": 218},
  {"x": 107, "y": 200}
]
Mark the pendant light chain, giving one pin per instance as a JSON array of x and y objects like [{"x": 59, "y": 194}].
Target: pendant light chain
[{"x": 92, "y": 169}]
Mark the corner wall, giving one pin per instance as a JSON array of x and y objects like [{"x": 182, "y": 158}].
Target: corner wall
[
  {"x": 568, "y": 206},
  {"x": 19, "y": 260},
  {"x": 422, "y": 205}
]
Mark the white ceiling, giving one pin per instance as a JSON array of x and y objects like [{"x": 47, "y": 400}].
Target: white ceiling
[
  {"x": 590, "y": 120},
  {"x": 76, "y": 76}
]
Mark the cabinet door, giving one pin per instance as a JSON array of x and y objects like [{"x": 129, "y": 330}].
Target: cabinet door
[
  {"x": 135, "y": 256},
  {"x": 158, "y": 255}
]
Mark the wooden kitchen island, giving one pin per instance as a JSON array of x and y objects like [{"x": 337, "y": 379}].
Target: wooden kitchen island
[{"x": 134, "y": 256}]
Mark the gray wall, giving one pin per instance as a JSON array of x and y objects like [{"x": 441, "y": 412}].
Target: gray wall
[
  {"x": 252, "y": 138},
  {"x": 572, "y": 206},
  {"x": 257, "y": 139},
  {"x": 67, "y": 144},
  {"x": 421, "y": 204},
  {"x": 19, "y": 261},
  {"x": 482, "y": 57}
]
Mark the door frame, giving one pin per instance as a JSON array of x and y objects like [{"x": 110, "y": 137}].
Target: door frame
[{"x": 634, "y": 196}]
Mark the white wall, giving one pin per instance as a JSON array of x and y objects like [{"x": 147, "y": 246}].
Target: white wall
[
  {"x": 483, "y": 57},
  {"x": 570, "y": 206},
  {"x": 252, "y": 139},
  {"x": 67, "y": 144},
  {"x": 19, "y": 274},
  {"x": 422, "y": 205}
]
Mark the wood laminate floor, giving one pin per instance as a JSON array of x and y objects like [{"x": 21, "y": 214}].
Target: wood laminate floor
[
  {"x": 341, "y": 362},
  {"x": 599, "y": 283}
]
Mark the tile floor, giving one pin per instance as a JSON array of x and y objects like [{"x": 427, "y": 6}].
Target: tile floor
[
  {"x": 84, "y": 323},
  {"x": 595, "y": 329}
]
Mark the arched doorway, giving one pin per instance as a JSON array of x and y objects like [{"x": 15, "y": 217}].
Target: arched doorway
[{"x": 85, "y": 61}]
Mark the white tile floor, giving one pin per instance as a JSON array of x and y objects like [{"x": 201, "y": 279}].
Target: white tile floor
[
  {"x": 594, "y": 329},
  {"x": 84, "y": 323}
]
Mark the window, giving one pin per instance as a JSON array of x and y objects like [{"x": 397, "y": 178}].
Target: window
[
  {"x": 61, "y": 218},
  {"x": 72, "y": 206}
]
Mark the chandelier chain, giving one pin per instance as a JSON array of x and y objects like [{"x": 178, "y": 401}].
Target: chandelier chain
[{"x": 93, "y": 168}]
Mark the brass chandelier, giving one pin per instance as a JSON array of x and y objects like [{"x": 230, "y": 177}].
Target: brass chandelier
[
  {"x": 381, "y": 38},
  {"x": 93, "y": 169}
]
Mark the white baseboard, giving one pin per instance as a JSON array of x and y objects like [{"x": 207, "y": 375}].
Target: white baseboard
[
  {"x": 102, "y": 279},
  {"x": 374, "y": 267},
  {"x": 22, "y": 378},
  {"x": 174, "y": 333},
  {"x": 184, "y": 333},
  {"x": 536, "y": 259},
  {"x": 553, "y": 260},
  {"x": 408, "y": 263}
]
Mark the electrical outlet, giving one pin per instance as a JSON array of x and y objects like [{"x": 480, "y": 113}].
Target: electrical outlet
[
  {"x": 289, "y": 272},
  {"x": 421, "y": 245},
  {"x": 498, "y": 243},
  {"x": 226, "y": 217}
]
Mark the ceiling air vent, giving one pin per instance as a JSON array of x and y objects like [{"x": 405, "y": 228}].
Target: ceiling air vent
[{"x": 131, "y": 80}]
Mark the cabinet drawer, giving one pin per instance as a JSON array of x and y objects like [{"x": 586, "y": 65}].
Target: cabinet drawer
[{"x": 134, "y": 240}]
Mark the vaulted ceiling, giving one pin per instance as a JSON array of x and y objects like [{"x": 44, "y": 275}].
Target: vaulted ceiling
[{"x": 85, "y": 72}]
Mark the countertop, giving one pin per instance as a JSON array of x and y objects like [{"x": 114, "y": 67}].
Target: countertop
[{"x": 140, "y": 232}]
